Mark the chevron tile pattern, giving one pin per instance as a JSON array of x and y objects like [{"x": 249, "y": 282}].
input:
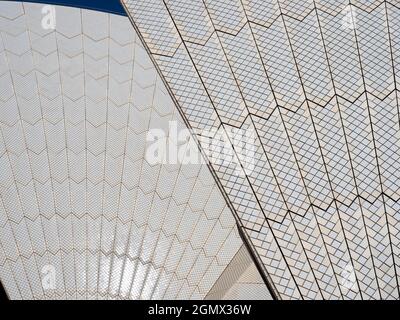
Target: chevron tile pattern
[
  {"x": 77, "y": 196},
  {"x": 317, "y": 82}
]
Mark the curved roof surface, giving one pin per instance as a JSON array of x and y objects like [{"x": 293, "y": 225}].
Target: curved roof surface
[
  {"x": 83, "y": 214},
  {"x": 303, "y": 97},
  {"x": 316, "y": 81}
]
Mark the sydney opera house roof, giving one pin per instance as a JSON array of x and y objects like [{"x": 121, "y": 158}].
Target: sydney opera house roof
[{"x": 287, "y": 112}]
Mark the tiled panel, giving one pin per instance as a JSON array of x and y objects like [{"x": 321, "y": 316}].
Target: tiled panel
[
  {"x": 316, "y": 81},
  {"x": 83, "y": 215}
]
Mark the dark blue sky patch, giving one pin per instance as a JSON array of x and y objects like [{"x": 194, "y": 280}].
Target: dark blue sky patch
[{"x": 110, "y": 6}]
